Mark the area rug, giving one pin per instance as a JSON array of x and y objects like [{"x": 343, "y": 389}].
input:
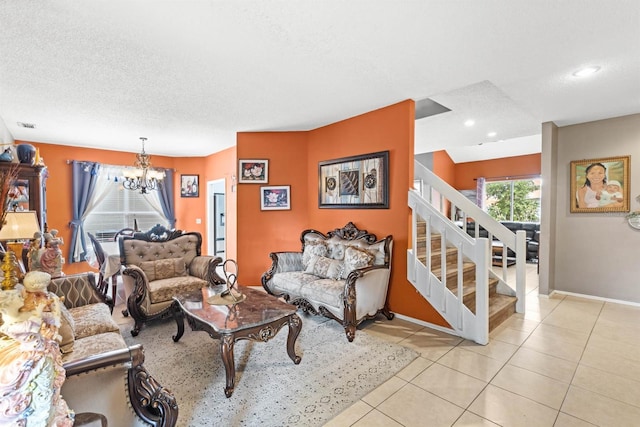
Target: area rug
[{"x": 270, "y": 390}]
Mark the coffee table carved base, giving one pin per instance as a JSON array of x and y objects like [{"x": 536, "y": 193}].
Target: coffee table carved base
[{"x": 260, "y": 333}]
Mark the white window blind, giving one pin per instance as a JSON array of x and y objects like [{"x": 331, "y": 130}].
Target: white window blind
[{"x": 121, "y": 208}]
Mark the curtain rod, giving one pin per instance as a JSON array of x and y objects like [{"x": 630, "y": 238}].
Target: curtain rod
[
  {"x": 123, "y": 166},
  {"x": 497, "y": 178}
]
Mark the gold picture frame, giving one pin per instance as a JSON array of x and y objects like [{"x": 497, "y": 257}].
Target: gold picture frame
[{"x": 600, "y": 185}]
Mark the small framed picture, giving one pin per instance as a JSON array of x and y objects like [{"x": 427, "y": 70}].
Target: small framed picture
[
  {"x": 252, "y": 171},
  {"x": 189, "y": 186},
  {"x": 275, "y": 198}
]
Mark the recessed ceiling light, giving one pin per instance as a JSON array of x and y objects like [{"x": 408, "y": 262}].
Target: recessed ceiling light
[
  {"x": 469, "y": 123},
  {"x": 492, "y": 134},
  {"x": 586, "y": 71}
]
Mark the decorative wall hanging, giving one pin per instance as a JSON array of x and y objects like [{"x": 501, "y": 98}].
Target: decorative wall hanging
[
  {"x": 253, "y": 171},
  {"x": 275, "y": 198},
  {"x": 357, "y": 182},
  {"x": 189, "y": 186},
  {"x": 600, "y": 185}
]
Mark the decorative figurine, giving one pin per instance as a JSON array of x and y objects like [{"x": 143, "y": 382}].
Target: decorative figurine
[
  {"x": 51, "y": 256},
  {"x": 35, "y": 291}
]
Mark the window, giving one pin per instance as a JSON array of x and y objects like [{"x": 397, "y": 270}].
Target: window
[
  {"x": 513, "y": 200},
  {"x": 119, "y": 208}
]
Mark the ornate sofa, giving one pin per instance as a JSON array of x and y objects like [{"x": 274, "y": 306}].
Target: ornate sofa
[
  {"x": 93, "y": 365},
  {"x": 87, "y": 326},
  {"x": 95, "y": 389},
  {"x": 532, "y": 230},
  {"x": 99, "y": 360},
  {"x": 343, "y": 275},
  {"x": 158, "y": 264}
]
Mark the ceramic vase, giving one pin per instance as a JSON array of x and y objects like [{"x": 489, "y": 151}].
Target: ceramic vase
[{"x": 26, "y": 153}]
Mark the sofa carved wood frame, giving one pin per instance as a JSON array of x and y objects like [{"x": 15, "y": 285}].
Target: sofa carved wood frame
[
  {"x": 150, "y": 401},
  {"x": 349, "y": 321},
  {"x": 140, "y": 293}
]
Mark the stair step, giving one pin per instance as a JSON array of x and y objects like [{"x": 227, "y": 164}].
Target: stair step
[
  {"x": 451, "y": 257},
  {"x": 501, "y": 307},
  {"x": 468, "y": 272}
]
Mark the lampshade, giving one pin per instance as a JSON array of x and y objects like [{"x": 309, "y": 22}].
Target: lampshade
[{"x": 19, "y": 225}]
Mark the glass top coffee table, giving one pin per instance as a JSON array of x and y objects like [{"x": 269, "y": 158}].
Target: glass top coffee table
[{"x": 258, "y": 318}]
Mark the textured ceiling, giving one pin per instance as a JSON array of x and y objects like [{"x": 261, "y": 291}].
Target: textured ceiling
[{"x": 188, "y": 75}]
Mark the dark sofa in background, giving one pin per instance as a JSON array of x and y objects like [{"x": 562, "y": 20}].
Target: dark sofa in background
[{"x": 532, "y": 230}]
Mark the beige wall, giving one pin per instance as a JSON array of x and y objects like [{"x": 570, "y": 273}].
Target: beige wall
[{"x": 596, "y": 254}]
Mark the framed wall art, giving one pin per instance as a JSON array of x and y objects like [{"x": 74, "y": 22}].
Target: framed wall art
[
  {"x": 357, "y": 182},
  {"x": 600, "y": 185},
  {"x": 189, "y": 186},
  {"x": 253, "y": 171},
  {"x": 275, "y": 198}
]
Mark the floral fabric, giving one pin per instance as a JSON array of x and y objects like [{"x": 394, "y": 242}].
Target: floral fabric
[
  {"x": 67, "y": 330},
  {"x": 335, "y": 248},
  {"x": 326, "y": 292},
  {"x": 318, "y": 248},
  {"x": 326, "y": 268},
  {"x": 164, "y": 268},
  {"x": 95, "y": 344},
  {"x": 290, "y": 282},
  {"x": 355, "y": 258},
  {"x": 92, "y": 319},
  {"x": 165, "y": 289}
]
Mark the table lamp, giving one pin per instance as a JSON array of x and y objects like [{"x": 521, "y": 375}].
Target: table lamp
[{"x": 18, "y": 226}]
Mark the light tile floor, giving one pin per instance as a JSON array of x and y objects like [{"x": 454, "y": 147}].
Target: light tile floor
[{"x": 567, "y": 362}]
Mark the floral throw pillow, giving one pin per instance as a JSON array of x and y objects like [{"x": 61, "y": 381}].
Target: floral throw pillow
[
  {"x": 324, "y": 267},
  {"x": 311, "y": 248},
  {"x": 164, "y": 268},
  {"x": 66, "y": 331},
  {"x": 355, "y": 258}
]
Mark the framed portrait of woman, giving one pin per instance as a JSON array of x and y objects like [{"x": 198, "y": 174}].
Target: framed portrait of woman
[{"x": 600, "y": 185}]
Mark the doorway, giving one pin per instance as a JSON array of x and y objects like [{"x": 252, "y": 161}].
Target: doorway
[{"x": 216, "y": 219}]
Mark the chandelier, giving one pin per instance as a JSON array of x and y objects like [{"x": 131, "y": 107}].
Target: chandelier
[{"x": 142, "y": 176}]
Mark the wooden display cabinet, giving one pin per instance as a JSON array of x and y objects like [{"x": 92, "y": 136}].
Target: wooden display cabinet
[{"x": 29, "y": 190}]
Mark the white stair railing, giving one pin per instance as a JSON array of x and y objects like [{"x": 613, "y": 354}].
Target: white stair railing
[{"x": 430, "y": 204}]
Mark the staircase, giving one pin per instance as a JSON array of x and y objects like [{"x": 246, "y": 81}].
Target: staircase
[
  {"x": 500, "y": 306},
  {"x": 453, "y": 271}
]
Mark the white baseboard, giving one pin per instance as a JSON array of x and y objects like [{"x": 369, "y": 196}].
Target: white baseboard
[
  {"x": 611, "y": 300},
  {"x": 426, "y": 324}
]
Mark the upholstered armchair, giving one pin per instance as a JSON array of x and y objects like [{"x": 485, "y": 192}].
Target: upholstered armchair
[{"x": 159, "y": 264}]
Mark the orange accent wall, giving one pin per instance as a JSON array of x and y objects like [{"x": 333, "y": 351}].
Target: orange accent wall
[
  {"x": 466, "y": 173},
  {"x": 58, "y": 183},
  {"x": 293, "y": 160},
  {"x": 389, "y": 128},
  {"x": 222, "y": 165},
  {"x": 261, "y": 232},
  {"x": 445, "y": 168}
]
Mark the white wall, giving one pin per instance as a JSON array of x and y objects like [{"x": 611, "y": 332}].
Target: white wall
[
  {"x": 596, "y": 254},
  {"x": 5, "y": 135}
]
